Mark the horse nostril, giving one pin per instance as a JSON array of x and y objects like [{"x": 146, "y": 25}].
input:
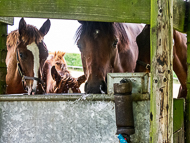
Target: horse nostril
[
  {"x": 96, "y": 87},
  {"x": 103, "y": 87},
  {"x": 25, "y": 88}
]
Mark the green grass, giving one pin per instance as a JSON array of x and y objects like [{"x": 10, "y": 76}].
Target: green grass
[{"x": 73, "y": 59}]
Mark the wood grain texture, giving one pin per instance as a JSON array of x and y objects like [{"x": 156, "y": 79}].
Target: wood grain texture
[
  {"x": 187, "y": 109},
  {"x": 161, "y": 97},
  {"x": 3, "y": 52},
  {"x": 178, "y": 120},
  {"x": 92, "y": 10},
  {"x": 7, "y": 20},
  {"x": 179, "y": 11},
  {"x": 178, "y": 114},
  {"x": 131, "y": 11}
]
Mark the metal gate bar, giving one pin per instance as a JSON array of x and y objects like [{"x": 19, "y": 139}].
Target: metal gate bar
[{"x": 69, "y": 97}]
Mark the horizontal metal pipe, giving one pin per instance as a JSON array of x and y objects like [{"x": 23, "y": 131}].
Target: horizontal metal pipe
[{"x": 68, "y": 97}]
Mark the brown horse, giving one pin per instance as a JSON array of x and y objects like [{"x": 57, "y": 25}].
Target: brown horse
[
  {"x": 26, "y": 54},
  {"x": 179, "y": 56},
  {"x": 57, "y": 77},
  {"x": 106, "y": 48}
]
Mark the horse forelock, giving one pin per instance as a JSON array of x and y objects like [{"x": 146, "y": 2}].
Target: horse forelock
[
  {"x": 31, "y": 34},
  {"x": 104, "y": 28}
]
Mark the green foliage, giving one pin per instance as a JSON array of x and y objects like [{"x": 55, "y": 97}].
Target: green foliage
[
  {"x": 174, "y": 75},
  {"x": 73, "y": 59}
]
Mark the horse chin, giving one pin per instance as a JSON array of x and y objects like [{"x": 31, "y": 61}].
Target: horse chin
[
  {"x": 96, "y": 87},
  {"x": 31, "y": 91}
]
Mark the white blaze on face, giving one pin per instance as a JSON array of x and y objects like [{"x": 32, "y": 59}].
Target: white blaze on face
[{"x": 35, "y": 51}]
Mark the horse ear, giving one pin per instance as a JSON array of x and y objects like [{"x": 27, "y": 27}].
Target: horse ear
[
  {"x": 81, "y": 79},
  {"x": 22, "y": 26},
  {"x": 63, "y": 53},
  {"x": 55, "y": 75},
  {"x": 45, "y": 27}
]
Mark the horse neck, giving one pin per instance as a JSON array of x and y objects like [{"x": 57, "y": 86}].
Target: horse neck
[
  {"x": 13, "y": 78},
  {"x": 50, "y": 84},
  {"x": 12, "y": 70},
  {"x": 128, "y": 49}
]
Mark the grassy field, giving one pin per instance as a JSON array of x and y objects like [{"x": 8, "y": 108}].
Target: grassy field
[{"x": 73, "y": 59}]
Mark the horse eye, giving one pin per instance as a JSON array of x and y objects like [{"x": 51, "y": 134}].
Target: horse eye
[
  {"x": 115, "y": 43},
  {"x": 79, "y": 46},
  {"x": 21, "y": 55},
  {"x": 58, "y": 64}
]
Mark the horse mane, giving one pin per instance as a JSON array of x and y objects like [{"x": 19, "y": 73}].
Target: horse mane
[
  {"x": 107, "y": 28},
  {"x": 12, "y": 39},
  {"x": 29, "y": 34}
]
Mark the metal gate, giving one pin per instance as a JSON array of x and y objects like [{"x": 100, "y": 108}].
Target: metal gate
[{"x": 80, "y": 118}]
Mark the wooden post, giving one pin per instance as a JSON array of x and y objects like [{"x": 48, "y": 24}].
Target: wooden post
[
  {"x": 161, "y": 97},
  {"x": 187, "y": 109},
  {"x": 3, "y": 52}
]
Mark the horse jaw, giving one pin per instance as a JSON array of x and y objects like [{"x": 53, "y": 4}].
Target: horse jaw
[{"x": 35, "y": 51}]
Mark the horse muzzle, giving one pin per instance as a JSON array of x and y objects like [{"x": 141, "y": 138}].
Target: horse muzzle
[
  {"x": 28, "y": 86},
  {"x": 31, "y": 91},
  {"x": 97, "y": 87}
]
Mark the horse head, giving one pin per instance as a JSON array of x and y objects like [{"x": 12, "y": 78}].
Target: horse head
[
  {"x": 66, "y": 83},
  {"x": 57, "y": 76},
  {"x": 179, "y": 56},
  {"x": 29, "y": 54},
  {"x": 105, "y": 48}
]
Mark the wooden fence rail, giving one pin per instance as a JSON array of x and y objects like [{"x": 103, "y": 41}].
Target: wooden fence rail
[{"x": 131, "y": 11}]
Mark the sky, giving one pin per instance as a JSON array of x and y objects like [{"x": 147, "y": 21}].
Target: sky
[{"x": 60, "y": 36}]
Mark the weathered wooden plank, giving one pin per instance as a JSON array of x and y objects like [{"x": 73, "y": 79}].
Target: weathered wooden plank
[
  {"x": 94, "y": 10},
  {"x": 178, "y": 120},
  {"x": 3, "y": 69},
  {"x": 178, "y": 114},
  {"x": 131, "y": 11},
  {"x": 179, "y": 11},
  {"x": 7, "y": 20},
  {"x": 161, "y": 104},
  {"x": 187, "y": 109}
]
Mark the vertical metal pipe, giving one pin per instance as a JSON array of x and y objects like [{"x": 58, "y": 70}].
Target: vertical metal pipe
[{"x": 124, "y": 108}]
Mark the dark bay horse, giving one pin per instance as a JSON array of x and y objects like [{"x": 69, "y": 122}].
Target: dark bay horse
[
  {"x": 179, "y": 56},
  {"x": 106, "y": 48},
  {"x": 57, "y": 77},
  {"x": 26, "y": 54}
]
